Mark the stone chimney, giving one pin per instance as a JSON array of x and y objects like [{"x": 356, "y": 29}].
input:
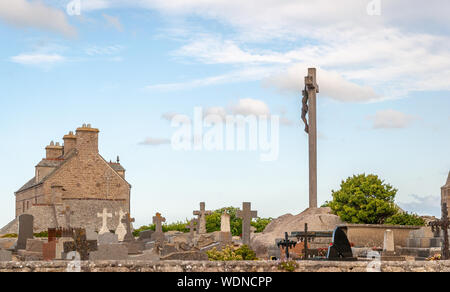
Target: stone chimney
[
  {"x": 87, "y": 140},
  {"x": 53, "y": 151},
  {"x": 70, "y": 142}
]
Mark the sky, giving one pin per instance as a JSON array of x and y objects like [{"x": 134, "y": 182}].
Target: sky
[{"x": 128, "y": 67}]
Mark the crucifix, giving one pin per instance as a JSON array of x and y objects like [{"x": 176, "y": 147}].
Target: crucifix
[
  {"x": 246, "y": 215},
  {"x": 202, "y": 218},
  {"x": 286, "y": 244},
  {"x": 67, "y": 214},
  {"x": 443, "y": 225},
  {"x": 128, "y": 220},
  {"x": 309, "y": 107},
  {"x": 105, "y": 215}
]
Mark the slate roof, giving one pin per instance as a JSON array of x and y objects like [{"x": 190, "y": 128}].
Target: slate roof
[
  {"x": 29, "y": 184},
  {"x": 448, "y": 180},
  {"x": 116, "y": 166}
]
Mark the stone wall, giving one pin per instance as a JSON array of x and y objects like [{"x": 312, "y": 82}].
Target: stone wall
[{"x": 190, "y": 266}]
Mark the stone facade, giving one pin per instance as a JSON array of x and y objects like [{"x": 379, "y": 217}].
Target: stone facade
[
  {"x": 445, "y": 192},
  {"x": 75, "y": 176}
]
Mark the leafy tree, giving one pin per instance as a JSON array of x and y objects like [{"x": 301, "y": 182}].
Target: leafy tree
[
  {"x": 405, "y": 219},
  {"x": 364, "y": 199}
]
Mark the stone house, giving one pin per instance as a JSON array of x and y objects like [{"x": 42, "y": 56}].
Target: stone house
[{"x": 72, "y": 185}]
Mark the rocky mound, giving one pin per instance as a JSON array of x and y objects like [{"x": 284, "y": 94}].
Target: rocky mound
[{"x": 318, "y": 219}]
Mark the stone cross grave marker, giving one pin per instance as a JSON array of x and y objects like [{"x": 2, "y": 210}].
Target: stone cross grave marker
[
  {"x": 26, "y": 223},
  {"x": 80, "y": 244},
  {"x": 67, "y": 213},
  {"x": 127, "y": 221},
  {"x": 121, "y": 231},
  {"x": 104, "y": 215},
  {"x": 309, "y": 107},
  {"x": 246, "y": 214},
  {"x": 158, "y": 220},
  {"x": 443, "y": 225},
  {"x": 192, "y": 227},
  {"x": 202, "y": 218},
  {"x": 287, "y": 244}
]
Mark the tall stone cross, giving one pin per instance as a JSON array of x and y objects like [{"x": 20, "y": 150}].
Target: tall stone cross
[
  {"x": 105, "y": 215},
  {"x": 127, "y": 221},
  {"x": 444, "y": 225},
  {"x": 310, "y": 108},
  {"x": 202, "y": 218},
  {"x": 67, "y": 214},
  {"x": 158, "y": 220},
  {"x": 246, "y": 215}
]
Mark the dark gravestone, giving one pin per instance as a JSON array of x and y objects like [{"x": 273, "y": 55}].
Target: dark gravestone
[
  {"x": 146, "y": 235},
  {"x": 25, "y": 230},
  {"x": 340, "y": 248},
  {"x": 80, "y": 245}
]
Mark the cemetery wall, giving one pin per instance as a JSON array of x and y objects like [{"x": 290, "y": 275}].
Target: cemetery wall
[
  {"x": 364, "y": 235},
  {"x": 199, "y": 266}
]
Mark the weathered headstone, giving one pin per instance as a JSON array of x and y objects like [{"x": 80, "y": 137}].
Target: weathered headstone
[
  {"x": 104, "y": 215},
  {"x": 246, "y": 214},
  {"x": 34, "y": 245},
  {"x": 127, "y": 220},
  {"x": 158, "y": 235},
  {"x": 107, "y": 238},
  {"x": 81, "y": 245},
  {"x": 49, "y": 250},
  {"x": 121, "y": 230},
  {"x": 192, "y": 227},
  {"x": 225, "y": 229},
  {"x": 202, "y": 218},
  {"x": 114, "y": 251},
  {"x": 146, "y": 235},
  {"x": 340, "y": 248},
  {"x": 388, "y": 245},
  {"x": 25, "y": 230}
]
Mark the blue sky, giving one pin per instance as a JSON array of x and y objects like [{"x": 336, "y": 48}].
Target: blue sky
[{"x": 124, "y": 66}]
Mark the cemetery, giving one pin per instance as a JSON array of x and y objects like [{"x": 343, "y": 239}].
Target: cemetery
[{"x": 333, "y": 237}]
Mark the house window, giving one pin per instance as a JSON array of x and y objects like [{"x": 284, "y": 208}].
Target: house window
[
  {"x": 28, "y": 205},
  {"x": 23, "y": 207}
]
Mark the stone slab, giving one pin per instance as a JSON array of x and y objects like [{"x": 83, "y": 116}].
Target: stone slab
[
  {"x": 5, "y": 256},
  {"x": 116, "y": 251},
  {"x": 34, "y": 245},
  {"x": 108, "y": 238}
]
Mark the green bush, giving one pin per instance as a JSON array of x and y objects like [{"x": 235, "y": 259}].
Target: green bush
[
  {"x": 405, "y": 219},
  {"x": 229, "y": 253},
  {"x": 41, "y": 234},
  {"x": 10, "y": 235},
  {"x": 364, "y": 200},
  {"x": 177, "y": 226}
]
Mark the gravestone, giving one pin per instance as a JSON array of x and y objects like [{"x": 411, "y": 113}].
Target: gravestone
[
  {"x": 59, "y": 248},
  {"x": 80, "y": 245},
  {"x": 340, "y": 248},
  {"x": 158, "y": 235},
  {"x": 388, "y": 245},
  {"x": 121, "y": 231},
  {"x": 51, "y": 234},
  {"x": 246, "y": 214},
  {"x": 192, "y": 227},
  {"x": 127, "y": 220},
  {"x": 146, "y": 235},
  {"x": 34, "y": 245},
  {"x": 104, "y": 215},
  {"x": 91, "y": 234},
  {"x": 49, "y": 250},
  {"x": 105, "y": 252},
  {"x": 25, "y": 230},
  {"x": 107, "y": 238},
  {"x": 202, "y": 218},
  {"x": 225, "y": 236},
  {"x": 5, "y": 256}
]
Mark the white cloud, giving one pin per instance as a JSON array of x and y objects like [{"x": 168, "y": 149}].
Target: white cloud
[
  {"x": 249, "y": 106},
  {"x": 427, "y": 205},
  {"x": 102, "y": 51},
  {"x": 35, "y": 14},
  {"x": 38, "y": 59},
  {"x": 155, "y": 141},
  {"x": 391, "y": 119}
]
